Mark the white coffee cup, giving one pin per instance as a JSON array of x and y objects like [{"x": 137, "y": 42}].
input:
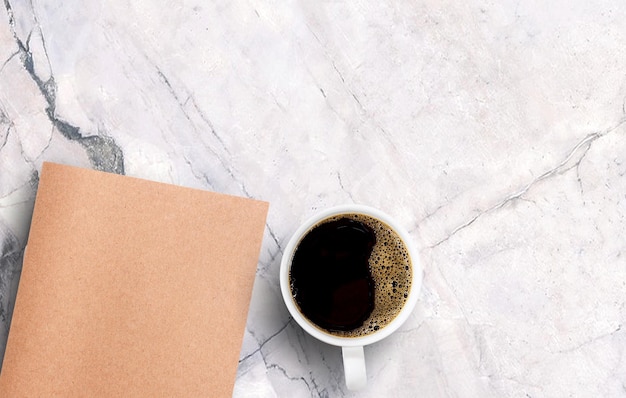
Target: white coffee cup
[{"x": 352, "y": 347}]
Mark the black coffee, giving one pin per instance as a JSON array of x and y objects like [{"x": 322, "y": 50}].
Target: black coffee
[{"x": 350, "y": 275}]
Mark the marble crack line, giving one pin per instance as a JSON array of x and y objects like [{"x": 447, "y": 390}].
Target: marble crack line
[
  {"x": 362, "y": 109},
  {"x": 411, "y": 330},
  {"x": 279, "y": 249},
  {"x": 273, "y": 254},
  {"x": 33, "y": 181},
  {"x": 201, "y": 176},
  {"x": 343, "y": 188},
  {"x": 103, "y": 151},
  {"x": 572, "y": 160},
  {"x": 4, "y": 64},
  {"x": 6, "y": 135},
  {"x": 341, "y": 77},
  {"x": 263, "y": 343},
  {"x": 591, "y": 341},
  {"x": 290, "y": 378},
  {"x": 312, "y": 387},
  {"x": 181, "y": 104},
  {"x": 321, "y": 393},
  {"x": 345, "y": 84},
  {"x": 431, "y": 213}
]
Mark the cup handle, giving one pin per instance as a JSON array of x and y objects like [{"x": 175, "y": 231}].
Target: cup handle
[{"x": 354, "y": 367}]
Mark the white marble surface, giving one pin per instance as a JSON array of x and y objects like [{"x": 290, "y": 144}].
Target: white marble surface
[{"x": 494, "y": 131}]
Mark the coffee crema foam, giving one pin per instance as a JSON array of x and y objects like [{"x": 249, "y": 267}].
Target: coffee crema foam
[{"x": 391, "y": 270}]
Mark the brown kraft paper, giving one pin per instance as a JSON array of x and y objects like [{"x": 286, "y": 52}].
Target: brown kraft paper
[{"x": 131, "y": 288}]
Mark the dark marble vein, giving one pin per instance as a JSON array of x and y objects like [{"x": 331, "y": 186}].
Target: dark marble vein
[
  {"x": 103, "y": 151},
  {"x": 11, "y": 253},
  {"x": 4, "y": 120}
]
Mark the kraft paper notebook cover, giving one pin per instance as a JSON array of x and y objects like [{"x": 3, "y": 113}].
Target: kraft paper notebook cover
[{"x": 131, "y": 288}]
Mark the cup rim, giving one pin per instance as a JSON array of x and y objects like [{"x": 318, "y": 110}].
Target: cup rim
[{"x": 314, "y": 330}]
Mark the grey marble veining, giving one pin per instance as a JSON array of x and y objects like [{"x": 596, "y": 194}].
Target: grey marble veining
[{"x": 495, "y": 134}]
